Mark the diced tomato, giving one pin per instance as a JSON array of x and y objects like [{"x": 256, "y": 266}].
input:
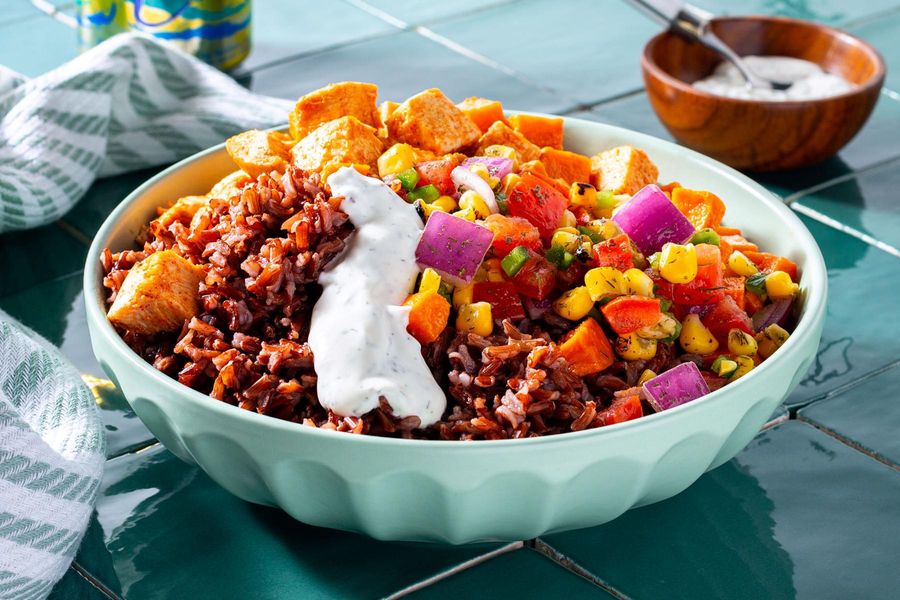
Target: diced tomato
[
  {"x": 739, "y": 243},
  {"x": 752, "y": 303},
  {"x": 771, "y": 262},
  {"x": 725, "y": 249},
  {"x": 723, "y": 230},
  {"x": 661, "y": 287},
  {"x": 437, "y": 172},
  {"x": 707, "y": 287},
  {"x": 614, "y": 252},
  {"x": 725, "y": 316},
  {"x": 734, "y": 287},
  {"x": 582, "y": 215},
  {"x": 510, "y": 232},
  {"x": 541, "y": 204},
  {"x": 503, "y": 298},
  {"x": 627, "y": 314},
  {"x": 536, "y": 278},
  {"x": 621, "y": 410}
]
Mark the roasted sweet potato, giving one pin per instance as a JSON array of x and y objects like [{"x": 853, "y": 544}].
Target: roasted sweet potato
[
  {"x": 541, "y": 131},
  {"x": 482, "y": 111},
  {"x": 569, "y": 166},
  {"x": 348, "y": 98}
]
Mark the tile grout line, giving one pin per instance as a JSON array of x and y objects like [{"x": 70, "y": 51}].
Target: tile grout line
[
  {"x": 73, "y": 231},
  {"x": 869, "y": 19},
  {"x": 835, "y": 224},
  {"x": 94, "y": 581},
  {"x": 455, "y": 569},
  {"x": 848, "y": 442},
  {"x": 56, "y": 12},
  {"x": 846, "y": 386},
  {"x": 542, "y": 547}
]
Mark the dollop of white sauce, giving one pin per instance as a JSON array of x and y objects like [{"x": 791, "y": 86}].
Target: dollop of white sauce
[
  {"x": 810, "y": 82},
  {"x": 358, "y": 335}
]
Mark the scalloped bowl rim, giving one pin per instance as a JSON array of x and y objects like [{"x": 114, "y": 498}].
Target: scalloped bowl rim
[{"x": 812, "y": 313}]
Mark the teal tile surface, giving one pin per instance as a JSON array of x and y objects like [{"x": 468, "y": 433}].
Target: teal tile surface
[
  {"x": 867, "y": 203},
  {"x": 386, "y": 62},
  {"x": 631, "y": 112},
  {"x": 867, "y": 415},
  {"x": 832, "y": 12},
  {"x": 795, "y": 515},
  {"x": 102, "y": 197},
  {"x": 56, "y": 311},
  {"x": 73, "y": 586},
  {"x": 285, "y": 28},
  {"x": 36, "y": 45},
  {"x": 418, "y": 12},
  {"x": 585, "y": 50},
  {"x": 15, "y": 11},
  {"x": 882, "y": 33},
  {"x": 28, "y": 258},
  {"x": 172, "y": 532},
  {"x": 862, "y": 291},
  {"x": 519, "y": 574}
]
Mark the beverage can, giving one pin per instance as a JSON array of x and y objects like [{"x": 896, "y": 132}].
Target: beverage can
[{"x": 215, "y": 31}]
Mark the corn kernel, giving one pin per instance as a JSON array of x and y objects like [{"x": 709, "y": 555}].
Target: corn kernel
[
  {"x": 638, "y": 283},
  {"x": 473, "y": 200},
  {"x": 509, "y": 182},
  {"x": 583, "y": 195},
  {"x": 646, "y": 376},
  {"x": 771, "y": 339},
  {"x": 604, "y": 282},
  {"x": 740, "y": 264},
  {"x": 494, "y": 269},
  {"x": 741, "y": 343},
  {"x": 463, "y": 294},
  {"x": 666, "y": 327},
  {"x": 568, "y": 219},
  {"x": 779, "y": 285},
  {"x": 607, "y": 228},
  {"x": 444, "y": 203},
  {"x": 430, "y": 281},
  {"x": 574, "y": 304},
  {"x": 467, "y": 213},
  {"x": 475, "y": 318},
  {"x": 395, "y": 159},
  {"x": 695, "y": 337},
  {"x": 745, "y": 364},
  {"x": 567, "y": 237},
  {"x": 482, "y": 171},
  {"x": 634, "y": 347},
  {"x": 502, "y": 151},
  {"x": 724, "y": 367},
  {"x": 678, "y": 263}
]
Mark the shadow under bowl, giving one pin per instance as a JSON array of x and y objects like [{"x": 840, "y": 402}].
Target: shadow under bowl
[{"x": 762, "y": 135}]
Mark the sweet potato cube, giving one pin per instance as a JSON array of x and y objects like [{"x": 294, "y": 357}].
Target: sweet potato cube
[
  {"x": 229, "y": 185},
  {"x": 431, "y": 121},
  {"x": 257, "y": 152},
  {"x": 159, "y": 294},
  {"x": 348, "y": 98},
  {"x": 182, "y": 211},
  {"x": 541, "y": 131},
  {"x": 502, "y": 134},
  {"x": 482, "y": 111},
  {"x": 344, "y": 140},
  {"x": 587, "y": 349},
  {"x": 623, "y": 170},
  {"x": 386, "y": 109},
  {"x": 565, "y": 165}
]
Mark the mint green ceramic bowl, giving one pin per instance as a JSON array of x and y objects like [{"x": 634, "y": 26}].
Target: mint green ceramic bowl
[{"x": 461, "y": 492}]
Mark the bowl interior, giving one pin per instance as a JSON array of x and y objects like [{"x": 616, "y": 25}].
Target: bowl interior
[{"x": 835, "y": 51}]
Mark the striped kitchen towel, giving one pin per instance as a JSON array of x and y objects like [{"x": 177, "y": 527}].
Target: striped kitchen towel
[
  {"x": 129, "y": 103},
  {"x": 51, "y": 459}
]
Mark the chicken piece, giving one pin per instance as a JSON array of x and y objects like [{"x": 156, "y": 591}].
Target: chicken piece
[
  {"x": 503, "y": 135},
  {"x": 257, "y": 152},
  {"x": 229, "y": 185},
  {"x": 159, "y": 294},
  {"x": 348, "y": 98},
  {"x": 344, "y": 140},
  {"x": 182, "y": 211},
  {"x": 386, "y": 109},
  {"x": 541, "y": 131},
  {"x": 623, "y": 170},
  {"x": 429, "y": 120}
]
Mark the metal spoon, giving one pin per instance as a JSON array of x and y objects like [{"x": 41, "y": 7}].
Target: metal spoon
[{"x": 694, "y": 23}]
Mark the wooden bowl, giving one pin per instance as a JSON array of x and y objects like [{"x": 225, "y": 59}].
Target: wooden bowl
[{"x": 762, "y": 135}]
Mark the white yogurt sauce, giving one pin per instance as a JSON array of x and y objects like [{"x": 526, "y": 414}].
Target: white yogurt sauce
[
  {"x": 358, "y": 331},
  {"x": 810, "y": 82}
]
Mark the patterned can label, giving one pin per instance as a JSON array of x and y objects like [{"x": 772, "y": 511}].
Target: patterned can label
[{"x": 216, "y": 31}]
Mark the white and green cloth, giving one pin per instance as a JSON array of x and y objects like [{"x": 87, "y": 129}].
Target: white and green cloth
[{"x": 129, "y": 103}]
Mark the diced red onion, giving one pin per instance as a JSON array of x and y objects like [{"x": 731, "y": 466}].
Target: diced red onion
[
  {"x": 779, "y": 312},
  {"x": 679, "y": 385},
  {"x": 497, "y": 166},
  {"x": 453, "y": 247},
  {"x": 650, "y": 220},
  {"x": 465, "y": 179}
]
